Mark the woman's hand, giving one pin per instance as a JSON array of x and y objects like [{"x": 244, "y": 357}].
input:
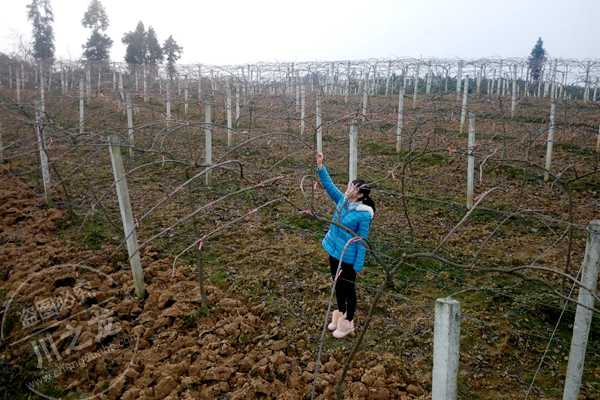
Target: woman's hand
[
  {"x": 319, "y": 159},
  {"x": 351, "y": 191}
]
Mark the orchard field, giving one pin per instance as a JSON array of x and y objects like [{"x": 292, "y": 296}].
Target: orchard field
[{"x": 228, "y": 215}]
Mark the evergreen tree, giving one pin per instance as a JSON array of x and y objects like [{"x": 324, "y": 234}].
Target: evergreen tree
[
  {"x": 39, "y": 12},
  {"x": 173, "y": 52},
  {"x": 154, "y": 53},
  {"x": 98, "y": 45},
  {"x": 95, "y": 17},
  {"x": 135, "y": 54},
  {"x": 537, "y": 60}
]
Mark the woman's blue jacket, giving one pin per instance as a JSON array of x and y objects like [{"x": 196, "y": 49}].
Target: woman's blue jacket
[{"x": 355, "y": 216}]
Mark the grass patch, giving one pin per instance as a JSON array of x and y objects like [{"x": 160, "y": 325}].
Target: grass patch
[
  {"x": 589, "y": 183},
  {"x": 374, "y": 147},
  {"x": 219, "y": 277},
  {"x": 190, "y": 320},
  {"x": 432, "y": 159},
  {"x": 574, "y": 149},
  {"x": 517, "y": 173},
  {"x": 94, "y": 234},
  {"x": 304, "y": 223},
  {"x": 93, "y": 231}
]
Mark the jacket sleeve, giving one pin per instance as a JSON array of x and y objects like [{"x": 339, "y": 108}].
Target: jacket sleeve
[
  {"x": 333, "y": 192},
  {"x": 363, "y": 231}
]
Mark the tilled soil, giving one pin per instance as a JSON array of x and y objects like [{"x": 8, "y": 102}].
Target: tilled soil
[{"x": 167, "y": 346}]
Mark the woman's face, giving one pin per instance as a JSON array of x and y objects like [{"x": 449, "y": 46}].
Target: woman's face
[{"x": 352, "y": 193}]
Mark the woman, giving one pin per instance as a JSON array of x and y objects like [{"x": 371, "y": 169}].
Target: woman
[{"x": 354, "y": 210}]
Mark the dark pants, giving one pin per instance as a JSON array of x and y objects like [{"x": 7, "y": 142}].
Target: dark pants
[{"x": 345, "y": 288}]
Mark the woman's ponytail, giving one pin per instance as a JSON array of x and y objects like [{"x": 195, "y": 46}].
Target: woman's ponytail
[{"x": 368, "y": 201}]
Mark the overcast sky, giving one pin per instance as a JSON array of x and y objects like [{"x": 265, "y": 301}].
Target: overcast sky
[{"x": 238, "y": 31}]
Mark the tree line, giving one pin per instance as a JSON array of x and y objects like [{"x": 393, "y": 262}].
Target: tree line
[{"x": 143, "y": 46}]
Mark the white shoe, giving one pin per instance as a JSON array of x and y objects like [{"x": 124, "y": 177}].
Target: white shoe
[
  {"x": 335, "y": 317},
  {"x": 344, "y": 327}
]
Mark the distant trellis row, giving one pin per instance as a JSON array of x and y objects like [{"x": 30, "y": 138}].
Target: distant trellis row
[{"x": 558, "y": 79}]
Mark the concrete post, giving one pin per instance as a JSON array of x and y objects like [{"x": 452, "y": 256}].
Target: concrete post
[
  {"x": 22, "y": 80},
  {"x": 18, "y": 88},
  {"x": 208, "y": 136},
  {"x": 428, "y": 82},
  {"x": 463, "y": 110},
  {"x": 365, "y": 95},
  {"x": 121, "y": 88},
  {"x": 527, "y": 83},
  {"x": 185, "y": 98},
  {"x": 470, "y": 161},
  {"x": 116, "y": 160},
  {"x": 405, "y": 78},
  {"x": 583, "y": 315},
  {"x": 229, "y": 113},
  {"x": 99, "y": 82},
  {"x": 88, "y": 77},
  {"x": 237, "y": 105},
  {"x": 353, "y": 153},
  {"x": 554, "y": 80},
  {"x": 62, "y": 81},
  {"x": 318, "y": 122},
  {"x": 145, "y": 83},
  {"x": 416, "y": 86},
  {"x": 459, "y": 80},
  {"x": 565, "y": 77},
  {"x": 513, "y": 102},
  {"x": 43, "y": 150},
  {"x": 500, "y": 82},
  {"x": 387, "y": 78},
  {"x": 478, "y": 83},
  {"x": 446, "y": 346},
  {"x": 297, "y": 93},
  {"x": 199, "y": 84},
  {"x": 168, "y": 102},
  {"x": 129, "y": 106},
  {"x": 347, "y": 91},
  {"x": 213, "y": 84},
  {"x": 586, "y": 91},
  {"x": 302, "y": 108},
  {"x": 373, "y": 86},
  {"x": 289, "y": 75},
  {"x": 549, "y": 143},
  {"x": 81, "y": 106},
  {"x": 42, "y": 97},
  {"x": 400, "y": 119}
]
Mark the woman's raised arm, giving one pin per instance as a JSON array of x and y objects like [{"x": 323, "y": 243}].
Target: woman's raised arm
[{"x": 332, "y": 190}]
